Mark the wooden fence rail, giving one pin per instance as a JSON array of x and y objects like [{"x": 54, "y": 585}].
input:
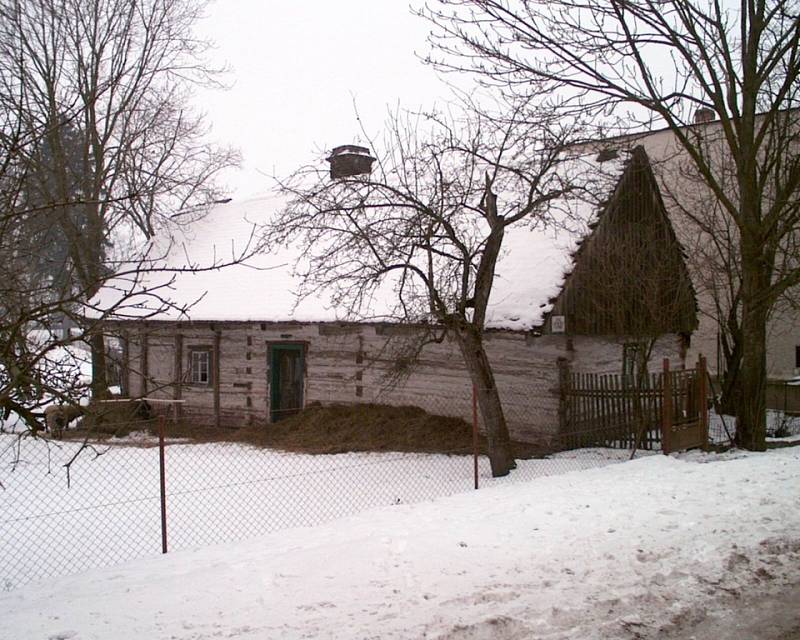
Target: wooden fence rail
[{"x": 666, "y": 409}]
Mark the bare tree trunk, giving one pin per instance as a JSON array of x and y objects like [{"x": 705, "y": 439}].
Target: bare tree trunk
[
  {"x": 751, "y": 428},
  {"x": 501, "y": 456},
  {"x": 731, "y": 343},
  {"x": 730, "y": 393},
  {"x": 99, "y": 370},
  {"x": 642, "y": 378}
]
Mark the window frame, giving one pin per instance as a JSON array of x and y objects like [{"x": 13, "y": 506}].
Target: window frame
[
  {"x": 630, "y": 358},
  {"x": 208, "y": 351}
]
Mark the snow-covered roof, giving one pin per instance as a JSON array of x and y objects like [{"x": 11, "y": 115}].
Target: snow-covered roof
[{"x": 264, "y": 288}]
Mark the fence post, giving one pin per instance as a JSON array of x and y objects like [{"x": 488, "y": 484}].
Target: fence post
[
  {"x": 563, "y": 391},
  {"x": 475, "y": 434},
  {"x": 666, "y": 407},
  {"x": 161, "y": 421},
  {"x": 702, "y": 398}
]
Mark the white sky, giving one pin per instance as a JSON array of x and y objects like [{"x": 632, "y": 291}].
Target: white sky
[{"x": 298, "y": 66}]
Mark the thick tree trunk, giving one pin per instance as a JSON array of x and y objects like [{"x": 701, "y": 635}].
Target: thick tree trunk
[
  {"x": 731, "y": 343},
  {"x": 89, "y": 253},
  {"x": 731, "y": 393},
  {"x": 99, "y": 372},
  {"x": 751, "y": 428},
  {"x": 501, "y": 456}
]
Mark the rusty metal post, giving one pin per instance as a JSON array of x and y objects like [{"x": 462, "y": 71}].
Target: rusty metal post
[
  {"x": 161, "y": 421},
  {"x": 666, "y": 408},
  {"x": 475, "y": 433}
]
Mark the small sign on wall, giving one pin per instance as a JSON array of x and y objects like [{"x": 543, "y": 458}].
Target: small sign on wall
[{"x": 558, "y": 324}]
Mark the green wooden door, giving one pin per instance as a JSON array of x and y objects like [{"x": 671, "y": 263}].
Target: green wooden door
[{"x": 286, "y": 380}]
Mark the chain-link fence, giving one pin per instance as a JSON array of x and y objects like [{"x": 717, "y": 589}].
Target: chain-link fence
[
  {"x": 68, "y": 506},
  {"x": 94, "y": 497},
  {"x": 782, "y": 418}
]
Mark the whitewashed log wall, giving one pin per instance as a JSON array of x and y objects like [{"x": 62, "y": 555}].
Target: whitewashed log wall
[{"x": 347, "y": 363}]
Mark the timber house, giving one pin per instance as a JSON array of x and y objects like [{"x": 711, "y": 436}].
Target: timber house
[{"x": 250, "y": 352}]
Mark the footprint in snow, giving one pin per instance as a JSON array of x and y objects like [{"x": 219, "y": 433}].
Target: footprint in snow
[{"x": 490, "y": 629}]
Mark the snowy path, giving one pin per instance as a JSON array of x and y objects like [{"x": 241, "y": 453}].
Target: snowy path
[{"x": 651, "y": 548}]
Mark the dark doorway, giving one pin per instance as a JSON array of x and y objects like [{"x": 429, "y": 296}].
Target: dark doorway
[{"x": 287, "y": 369}]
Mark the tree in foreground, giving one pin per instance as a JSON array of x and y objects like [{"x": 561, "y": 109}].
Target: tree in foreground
[
  {"x": 663, "y": 61},
  {"x": 425, "y": 229},
  {"x": 99, "y": 149}
]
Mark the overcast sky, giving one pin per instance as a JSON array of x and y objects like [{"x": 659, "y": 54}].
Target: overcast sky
[{"x": 297, "y": 67}]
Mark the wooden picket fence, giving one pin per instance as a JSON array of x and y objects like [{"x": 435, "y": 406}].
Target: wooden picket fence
[{"x": 667, "y": 409}]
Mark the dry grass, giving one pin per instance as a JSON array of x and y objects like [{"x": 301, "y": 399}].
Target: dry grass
[
  {"x": 366, "y": 427},
  {"x": 318, "y": 430}
]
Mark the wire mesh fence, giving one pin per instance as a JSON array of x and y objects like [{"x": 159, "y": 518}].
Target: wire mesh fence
[
  {"x": 93, "y": 497},
  {"x": 56, "y": 519}
]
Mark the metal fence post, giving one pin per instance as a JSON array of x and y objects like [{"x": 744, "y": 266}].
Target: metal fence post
[
  {"x": 475, "y": 433},
  {"x": 161, "y": 421}
]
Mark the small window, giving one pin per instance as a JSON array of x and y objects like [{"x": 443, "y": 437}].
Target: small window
[
  {"x": 797, "y": 356},
  {"x": 200, "y": 366}
]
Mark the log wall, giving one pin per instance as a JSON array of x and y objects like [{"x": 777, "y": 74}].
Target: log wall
[{"x": 347, "y": 363}]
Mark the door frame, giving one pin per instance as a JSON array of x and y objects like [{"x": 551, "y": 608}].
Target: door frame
[{"x": 291, "y": 345}]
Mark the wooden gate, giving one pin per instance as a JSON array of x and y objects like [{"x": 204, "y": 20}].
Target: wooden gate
[
  {"x": 684, "y": 409},
  {"x": 667, "y": 409}
]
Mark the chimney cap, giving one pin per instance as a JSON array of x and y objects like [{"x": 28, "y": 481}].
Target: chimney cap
[
  {"x": 606, "y": 154},
  {"x": 704, "y": 114},
  {"x": 347, "y": 149},
  {"x": 350, "y": 160}
]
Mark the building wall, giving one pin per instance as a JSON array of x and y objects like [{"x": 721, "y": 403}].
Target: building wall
[
  {"x": 670, "y": 162},
  {"x": 604, "y": 354},
  {"x": 783, "y": 340},
  {"x": 347, "y": 363}
]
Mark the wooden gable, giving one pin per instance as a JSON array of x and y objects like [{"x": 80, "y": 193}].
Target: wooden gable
[{"x": 629, "y": 275}]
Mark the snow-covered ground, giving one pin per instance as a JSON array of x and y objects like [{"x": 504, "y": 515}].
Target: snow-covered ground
[
  {"x": 216, "y": 493},
  {"x": 652, "y": 548}
]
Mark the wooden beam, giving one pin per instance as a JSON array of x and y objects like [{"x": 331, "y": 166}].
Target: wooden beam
[
  {"x": 125, "y": 374},
  {"x": 216, "y": 356},
  {"x": 666, "y": 408},
  {"x": 563, "y": 398},
  {"x": 144, "y": 349},
  {"x": 177, "y": 387}
]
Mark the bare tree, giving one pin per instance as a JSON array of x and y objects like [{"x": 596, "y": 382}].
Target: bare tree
[
  {"x": 41, "y": 365},
  {"x": 712, "y": 242},
  {"x": 97, "y": 151},
  {"x": 425, "y": 229},
  {"x": 664, "y": 61},
  {"x": 98, "y": 93}
]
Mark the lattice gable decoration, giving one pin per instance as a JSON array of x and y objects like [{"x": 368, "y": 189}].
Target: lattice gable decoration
[{"x": 629, "y": 274}]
